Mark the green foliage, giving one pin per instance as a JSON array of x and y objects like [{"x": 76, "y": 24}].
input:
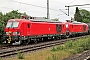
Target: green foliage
[
  {"x": 5, "y": 17},
  {"x": 20, "y": 55},
  {"x": 69, "y": 44},
  {"x": 53, "y": 49},
  {"x": 0, "y": 58},
  {"x": 85, "y": 15},
  {"x": 54, "y": 57},
  {"x": 86, "y": 45},
  {"x": 45, "y": 17},
  {"x": 85, "y": 20},
  {"x": 75, "y": 47},
  {"x": 79, "y": 49},
  {"x": 55, "y": 19},
  {"x": 60, "y": 47},
  {"x": 48, "y": 58},
  {"x": 57, "y": 48},
  {"x": 1, "y": 23},
  {"x": 77, "y": 15}
]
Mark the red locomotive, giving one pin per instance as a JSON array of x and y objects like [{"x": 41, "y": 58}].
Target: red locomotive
[
  {"x": 76, "y": 28},
  {"x": 24, "y": 30}
]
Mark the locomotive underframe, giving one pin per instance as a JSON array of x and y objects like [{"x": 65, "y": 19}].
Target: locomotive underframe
[
  {"x": 32, "y": 38},
  {"x": 26, "y": 39}
]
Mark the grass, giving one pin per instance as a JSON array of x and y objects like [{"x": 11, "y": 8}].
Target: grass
[
  {"x": 58, "y": 52},
  {"x": 0, "y": 58},
  {"x": 74, "y": 46},
  {"x": 2, "y": 44},
  {"x": 42, "y": 55},
  {"x": 20, "y": 55}
]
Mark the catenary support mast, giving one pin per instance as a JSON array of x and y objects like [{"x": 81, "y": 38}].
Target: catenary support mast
[{"x": 48, "y": 9}]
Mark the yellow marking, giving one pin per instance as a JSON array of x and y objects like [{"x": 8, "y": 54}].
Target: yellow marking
[
  {"x": 9, "y": 39},
  {"x": 10, "y": 32}
]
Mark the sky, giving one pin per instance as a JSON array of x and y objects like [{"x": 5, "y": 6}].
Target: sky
[{"x": 38, "y": 8}]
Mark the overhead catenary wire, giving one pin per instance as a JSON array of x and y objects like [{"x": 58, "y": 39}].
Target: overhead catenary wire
[
  {"x": 57, "y": 2},
  {"x": 6, "y": 8},
  {"x": 71, "y": 2},
  {"x": 33, "y": 5},
  {"x": 75, "y": 6},
  {"x": 20, "y": 9},
  {"x": 37, "y": 6},
  {"x": 24, "y": 11},
  {"x": 83, "y": 7},
  {"x": 31, "y": 11},
  {"x": 63, "y": 11}
]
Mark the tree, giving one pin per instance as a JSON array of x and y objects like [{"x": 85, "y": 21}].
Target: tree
[
  {"x": 5, "y": 17},
  {"x": 1, "y": 23},
  {"x": 45, "y": 17},
  {"x": 85, "y": 15},
  {"x": 77, "y": 15},
  {"x": 55, "y": 19}
]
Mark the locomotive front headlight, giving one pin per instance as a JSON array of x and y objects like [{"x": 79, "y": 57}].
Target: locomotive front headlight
[
  {"x": 16, "y": 33},
  {"x": 7, "y": 33}
]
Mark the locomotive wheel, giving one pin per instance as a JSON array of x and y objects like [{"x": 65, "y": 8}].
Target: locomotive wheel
[
  {"x": 28, "y": 41},
  {"x": 42, "y": 39},
  {"x": 57, "y": 38},
  {"x": 35, "y": 41},
  {"x": 21, "y": 42}
]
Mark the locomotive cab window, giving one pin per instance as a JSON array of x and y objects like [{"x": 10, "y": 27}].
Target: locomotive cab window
[
  {"x": 12, "y": 24},
  {"x": 15, "y": 24},
  {"x": 8, "y": 24}
]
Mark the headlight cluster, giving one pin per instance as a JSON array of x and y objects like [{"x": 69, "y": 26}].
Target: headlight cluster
[
  {"x": 7, "y": 33},
  {"x": 16, "y": 33}
]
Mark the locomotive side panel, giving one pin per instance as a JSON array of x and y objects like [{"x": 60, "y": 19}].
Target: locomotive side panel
[
  {"x": 43, "y": 28},
  {"x": 24, "y": 28}
]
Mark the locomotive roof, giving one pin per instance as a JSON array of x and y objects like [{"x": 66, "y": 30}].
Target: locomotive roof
[
  {"x": 75, "y": 22},
  {"x": 35, "y": 20},
  {"x": 78, "y": 23},
  {"x": 44, "y": 20}
]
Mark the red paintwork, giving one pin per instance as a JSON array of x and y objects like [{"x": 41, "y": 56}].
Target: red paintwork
[
  {"x": 77, "y": 27},
  {"x": 39, "y": 28},
  {"x": 36, "y": 28},
  {"x": 45, "y": 28}
]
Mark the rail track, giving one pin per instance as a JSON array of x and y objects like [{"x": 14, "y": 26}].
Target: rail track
[
  {"x": 7, "y": 52},
  {"x": 82, "y": 56}
]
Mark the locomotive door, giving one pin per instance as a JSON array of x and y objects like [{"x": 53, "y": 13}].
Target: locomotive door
[
  {"x": 84, "y": 28},
  {"x": 58, "y": 28},
  {"x": 28, "y": 29}
]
